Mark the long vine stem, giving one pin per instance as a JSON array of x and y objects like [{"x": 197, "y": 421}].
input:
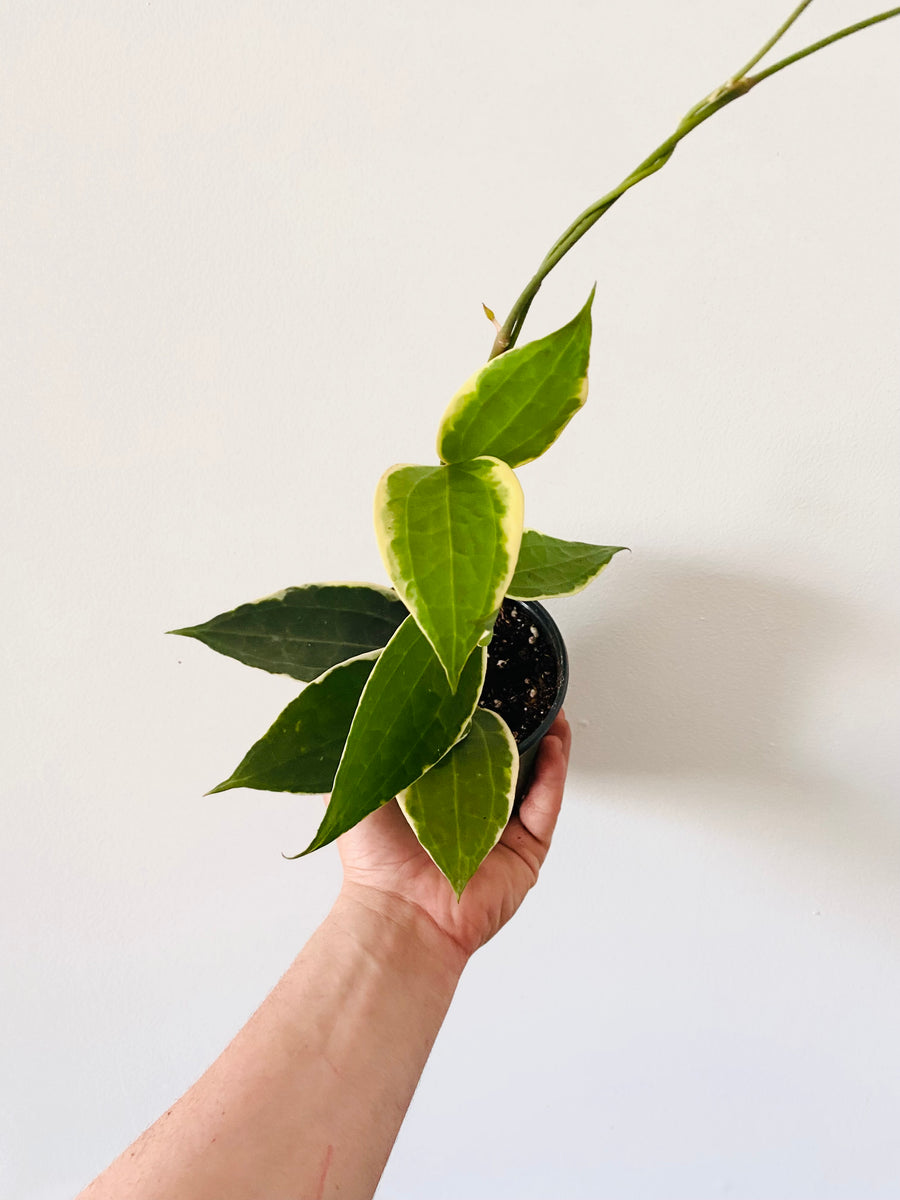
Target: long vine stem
[{"x": 733, "y": 88}]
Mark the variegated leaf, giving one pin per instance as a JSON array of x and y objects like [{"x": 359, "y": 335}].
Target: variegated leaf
[
  {"x": 449, "y": 537},
  {"x": 407, "y": 719},
  {"x": 518, "y": 404},
  {"x": 460, "y": 807},
  {"x": 549, "y": 566}
]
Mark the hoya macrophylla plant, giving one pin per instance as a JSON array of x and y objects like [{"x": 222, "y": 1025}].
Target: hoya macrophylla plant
[{"x": 393, "y": 675}]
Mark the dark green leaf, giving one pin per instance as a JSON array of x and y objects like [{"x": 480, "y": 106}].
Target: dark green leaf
[
  {"x": 301, "y": 752},
  {"x": 549, "y": 566},
  {"x": 407, "y": 719},
  {"x": 303, "y": 631}
]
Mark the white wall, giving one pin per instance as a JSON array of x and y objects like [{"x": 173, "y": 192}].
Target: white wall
[{"x": 245, "y": 248}]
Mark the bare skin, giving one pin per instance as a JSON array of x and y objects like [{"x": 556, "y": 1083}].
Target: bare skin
[{"x": 306, "y": 1102}]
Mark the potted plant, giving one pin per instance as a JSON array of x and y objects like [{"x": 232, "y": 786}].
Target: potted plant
[{"x": 438, "y": 690}]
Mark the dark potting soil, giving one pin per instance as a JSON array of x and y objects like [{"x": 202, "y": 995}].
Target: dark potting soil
[{"x": 522, "y": 675}]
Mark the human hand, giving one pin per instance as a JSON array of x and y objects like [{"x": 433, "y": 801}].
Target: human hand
[{"x": 386, "y": 868}]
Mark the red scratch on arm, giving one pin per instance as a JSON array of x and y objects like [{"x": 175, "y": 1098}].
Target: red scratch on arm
[{"x": 329, "y": 1155}]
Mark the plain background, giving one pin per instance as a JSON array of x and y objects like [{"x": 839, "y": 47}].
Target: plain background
[{"x": 245, "y": 247}]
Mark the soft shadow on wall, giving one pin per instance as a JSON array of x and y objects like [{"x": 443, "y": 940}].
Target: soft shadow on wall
[{"x": 690, "y": 672}]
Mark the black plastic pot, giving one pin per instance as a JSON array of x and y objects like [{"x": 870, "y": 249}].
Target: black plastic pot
[{"x": 528, "y": 747}]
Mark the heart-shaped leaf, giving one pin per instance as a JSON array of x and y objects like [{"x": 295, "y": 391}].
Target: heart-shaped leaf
[
  {"x": 449, "y": 537},
  {"x": 518, "y": 404},
  {"x": 303, "y": 631},
  {"x": 301, "y": 751},
  {"x": 407, "y": 719},
  {"x": 549, "y": 566},
  {"x": 460, "y": 807}
]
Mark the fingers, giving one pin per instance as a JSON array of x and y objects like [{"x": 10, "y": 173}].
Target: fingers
[{"x": 540, "y": 808}]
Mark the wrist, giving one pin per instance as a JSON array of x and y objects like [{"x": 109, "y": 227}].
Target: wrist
[{"x": 398, "y": 932}]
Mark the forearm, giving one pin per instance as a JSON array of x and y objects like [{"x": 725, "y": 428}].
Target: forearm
[{"x": 308, "y": 1098}]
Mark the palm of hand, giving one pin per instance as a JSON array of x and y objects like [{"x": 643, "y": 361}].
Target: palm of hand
[{"x": 383, "y": 854}]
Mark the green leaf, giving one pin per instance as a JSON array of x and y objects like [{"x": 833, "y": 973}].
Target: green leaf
[
  {"x": 407, "y": 719},
  {"x": 301, "y": 752},
  {"x": 449, "y": 537},
  {"x": 460, "y": 807},
  {"x": 303, "y": 631},
  {"x": 518, "y": 404},
  {"x": 549, "y": 566}
]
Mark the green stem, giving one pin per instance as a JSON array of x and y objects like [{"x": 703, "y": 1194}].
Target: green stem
[
  {"x": 776, "y": 37},
  {"x": 835, "y": 37},
  {"x": 736, "y": 86}
]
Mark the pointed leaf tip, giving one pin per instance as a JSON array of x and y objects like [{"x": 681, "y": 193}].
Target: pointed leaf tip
[{"x": 225, "y": 786}]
